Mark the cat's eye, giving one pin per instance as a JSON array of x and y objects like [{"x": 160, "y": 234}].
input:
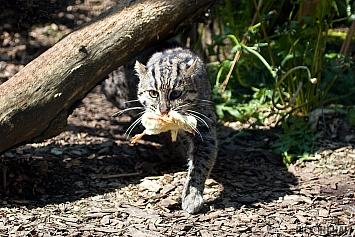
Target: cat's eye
[
  {"x": 153, "y": 93},
  {"x": 173, "y": 95}
]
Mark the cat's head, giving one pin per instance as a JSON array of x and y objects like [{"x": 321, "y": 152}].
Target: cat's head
[{"x": 168, "y": 84}]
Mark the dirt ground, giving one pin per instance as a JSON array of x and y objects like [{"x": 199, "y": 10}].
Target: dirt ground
[{"x": 91, "y": 181}]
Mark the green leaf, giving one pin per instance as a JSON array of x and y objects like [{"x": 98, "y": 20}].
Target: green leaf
[
  {"x": 219, "y": 111},
  {"x": 351, "y": 117},
  {"x": 234, "y": 112},
  {"x": 287, "y": 158}
]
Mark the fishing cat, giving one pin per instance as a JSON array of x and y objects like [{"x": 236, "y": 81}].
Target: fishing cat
[{"x": 174, "y": 79}]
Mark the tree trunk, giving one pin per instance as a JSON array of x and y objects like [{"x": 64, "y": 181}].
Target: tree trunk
[{"x": 35, "y": 103}]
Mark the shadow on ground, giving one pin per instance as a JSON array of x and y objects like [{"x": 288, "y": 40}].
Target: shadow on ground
[{"x": 94, "y": 157}]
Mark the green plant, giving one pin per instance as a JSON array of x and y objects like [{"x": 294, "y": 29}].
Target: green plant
[
  {"x": 295, "y": 56},
  {"x": 242, "y": 88},
  {"x": 297, "y": 140},
  {"x": 303, "y": 59},
  {"x": 288, "y": 67}
]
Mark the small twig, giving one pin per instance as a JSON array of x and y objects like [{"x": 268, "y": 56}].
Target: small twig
[
  {"x": 238, "y": 53},
  {"x": 115, "y": 176},
  {"x": 264, "y": 206},
  {"x": 235, "y": 60},
  {"x": 346, "y": 44}
]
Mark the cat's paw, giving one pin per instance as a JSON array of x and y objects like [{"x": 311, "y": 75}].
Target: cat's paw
[{"x": 192, "y": 202}]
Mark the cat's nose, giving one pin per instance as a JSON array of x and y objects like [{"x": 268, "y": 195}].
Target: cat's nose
[{"x": 163, "y": 111}]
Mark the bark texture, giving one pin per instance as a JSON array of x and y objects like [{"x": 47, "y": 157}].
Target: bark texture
[{"x": 35, "y": 103}]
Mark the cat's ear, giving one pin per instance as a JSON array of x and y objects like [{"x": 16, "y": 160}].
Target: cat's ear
[
  {"x": 140, "y": 69},
  {"x": 193, "y": 67}
]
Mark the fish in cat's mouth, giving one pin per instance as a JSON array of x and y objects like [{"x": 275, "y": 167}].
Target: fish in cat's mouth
[{"x": 172, "y": 121}]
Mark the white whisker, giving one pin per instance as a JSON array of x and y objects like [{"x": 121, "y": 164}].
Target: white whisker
[
  {"x": 206, "y": 101},
  {"x": 193, "y": 104},
  {"x": 132, "y": 126},
  {"x": 119, "y": 113},
  {"x": 193, "y": 128},
  {"x": 131, "y": 101},
  {"x": 150, "y": 108},
  {"x": 181, "y": 106},
  {"x": 199, "y": 119},
  {"x": 198, "y": 113},
  {"x": 141, "y": 113}
]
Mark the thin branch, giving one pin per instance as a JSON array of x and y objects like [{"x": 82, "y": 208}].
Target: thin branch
[{"x": 238, "y": 53}]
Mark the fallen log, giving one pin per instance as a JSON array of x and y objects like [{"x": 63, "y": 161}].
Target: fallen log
[{"x": 35, "y": 103}]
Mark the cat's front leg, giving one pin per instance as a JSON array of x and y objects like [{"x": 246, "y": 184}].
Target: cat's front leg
[{"x": 202, "y": 155}]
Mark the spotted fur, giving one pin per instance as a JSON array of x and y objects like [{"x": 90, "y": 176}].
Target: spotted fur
[{"x": 176, "y": 79}]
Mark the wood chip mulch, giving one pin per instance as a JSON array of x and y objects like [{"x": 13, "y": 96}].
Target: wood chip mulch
[{"x": 90, "y": 181}]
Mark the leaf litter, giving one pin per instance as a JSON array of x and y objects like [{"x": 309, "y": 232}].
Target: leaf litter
[{"x": 91, "y": 181}]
